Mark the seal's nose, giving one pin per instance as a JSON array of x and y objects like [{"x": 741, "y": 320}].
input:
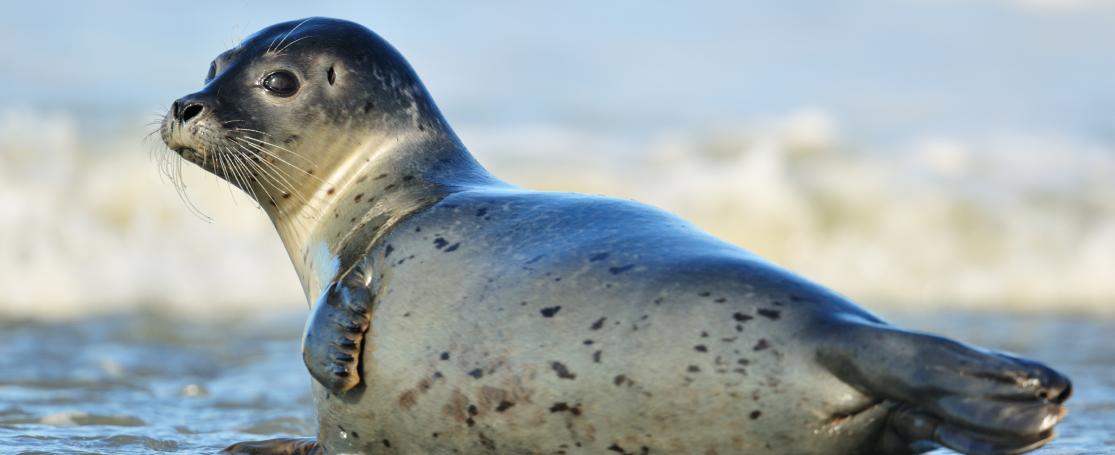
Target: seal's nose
[{"x": 187, "y": 108}]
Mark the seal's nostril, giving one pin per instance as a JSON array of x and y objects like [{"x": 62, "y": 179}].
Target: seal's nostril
[{"x": 191, "y": 111}]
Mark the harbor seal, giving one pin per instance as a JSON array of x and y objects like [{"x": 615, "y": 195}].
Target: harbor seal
[{"x": 455, "y": 313}]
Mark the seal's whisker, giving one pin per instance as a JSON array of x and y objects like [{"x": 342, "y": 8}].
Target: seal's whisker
[
  {"x": 248, "y": 153},
  {"x": 275, "y": 175},
  {"x": 272, "y": 154},
  {"x": 276, "y": 156},
  {"x": 239, "y": 169},
  {"x": 280, "y": 51},
  {"x": 287, "y": 35},
  {"x": 249, "y": 129},
  {"x": 296, "y": 155},
  {"x": 220, "y": 157},
  {"x": 180, "y": 186},
  {"x": 264, "y": 180}
]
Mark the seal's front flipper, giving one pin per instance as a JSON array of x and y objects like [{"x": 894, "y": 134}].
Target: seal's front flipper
[
  {"x": 334, "y": 337},
  {"x": 285, "y": 446},
  {"x": 968, "y": 399}
]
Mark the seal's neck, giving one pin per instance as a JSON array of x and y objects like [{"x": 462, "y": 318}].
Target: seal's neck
[{"x": 358, "y": 190}]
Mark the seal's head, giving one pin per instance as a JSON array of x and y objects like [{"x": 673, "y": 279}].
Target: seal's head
[{"x": 289, "y": 109}]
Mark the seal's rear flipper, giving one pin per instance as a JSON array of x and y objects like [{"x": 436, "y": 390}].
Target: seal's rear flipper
[
  {"x": 285, "y": 446},
  {"x": 948, "y": 393},
  {"x": 334, "y": 336}
]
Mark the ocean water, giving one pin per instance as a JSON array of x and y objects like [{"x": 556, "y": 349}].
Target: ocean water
[{"x": 148, "y": 382}]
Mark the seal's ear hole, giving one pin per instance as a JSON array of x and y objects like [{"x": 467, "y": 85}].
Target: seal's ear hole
[{"x": 332, "y": 75}]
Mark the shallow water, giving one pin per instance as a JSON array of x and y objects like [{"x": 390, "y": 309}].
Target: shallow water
[{"x": 143, "y": 383}]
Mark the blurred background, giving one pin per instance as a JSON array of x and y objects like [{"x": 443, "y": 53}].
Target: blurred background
[
  {"x": 917, "y": 153},
  {"x": 916, "y": 156}
]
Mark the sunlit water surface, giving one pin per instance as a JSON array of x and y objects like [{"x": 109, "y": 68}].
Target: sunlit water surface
[{"x": 143, "y": 383}]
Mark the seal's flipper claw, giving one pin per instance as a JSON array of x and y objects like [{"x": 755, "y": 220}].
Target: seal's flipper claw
[
  {"x": 334, "y": 336},
  {"x": 284, "y": 446}
]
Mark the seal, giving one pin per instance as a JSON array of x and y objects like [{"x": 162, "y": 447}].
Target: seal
[{"x": 455, "y": 313}]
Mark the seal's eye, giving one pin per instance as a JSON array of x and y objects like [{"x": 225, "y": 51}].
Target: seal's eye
[{"x": 281, "y": 83}]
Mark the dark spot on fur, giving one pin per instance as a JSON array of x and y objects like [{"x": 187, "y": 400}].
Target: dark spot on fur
[
  {"x": 693, "y": 369},
  {"x": 407, "y": 178},
  {"x": 720, "y": 300},
  {"x": 440, "y": 243},
  {"x": 535, "y": 259},
  {"x": 551, "y": 311},
  {"x": 444, "y": 356},
  {"x": 368, "y": 106},
  {"x": 705, "y": 294},
  {"x": 389, "y": 187},
  {"x": 387, "y": 250},
  {"x": 704, "y": 334},
  {"x": 596, "y": 356},
  {"x": 562, "y": 371},
  {"x": 453, "y": 247},
  {"x": 771, "y": 314},
  {"x": 362, "y": 178},
  {"x": 756, "y": 414},
  {"x": 487, "y": 442},
  {"x": 381, "y": 176},
  {"x": 482, "y": 212},
  {"x": 700, "y": 348},
  {"x": 740, "y": 317},
  {"x": 762, "y": 344},
  {"x": 559, "y": 407},
  {"x": 743, "y": 362},
  {"x": 470, "y": 422},
  {"x": 330, "y": 191},
  {"x": 504, "y": 405},
  {"x": 358, "y": 197},
  {"x": 619, "y": 380},
  {"x": 286, "y": 195},
  {"x": 387, "y": 443},
  {"x": 598, "y": 324},
  {"x": 472, "y": 410},
  {"x": 616, "y": 448},
  {"x": 588, "y": 342},
  {"x": 619, "y": 270},
  {"x": 598, "y": 257},
  {"x": 477, "y": 373}
]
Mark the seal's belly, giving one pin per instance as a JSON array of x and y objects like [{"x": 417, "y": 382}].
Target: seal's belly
[{"x": 546, "y": 355}]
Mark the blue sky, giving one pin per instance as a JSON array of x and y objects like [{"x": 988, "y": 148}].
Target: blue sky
[{"x": 884, "y": 69}]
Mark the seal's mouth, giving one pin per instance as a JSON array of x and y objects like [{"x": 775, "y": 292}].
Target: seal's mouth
[{"x": 191, "y": 154}]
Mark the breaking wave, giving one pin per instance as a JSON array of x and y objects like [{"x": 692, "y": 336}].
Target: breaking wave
[{"x": 1009, "y": 221}]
